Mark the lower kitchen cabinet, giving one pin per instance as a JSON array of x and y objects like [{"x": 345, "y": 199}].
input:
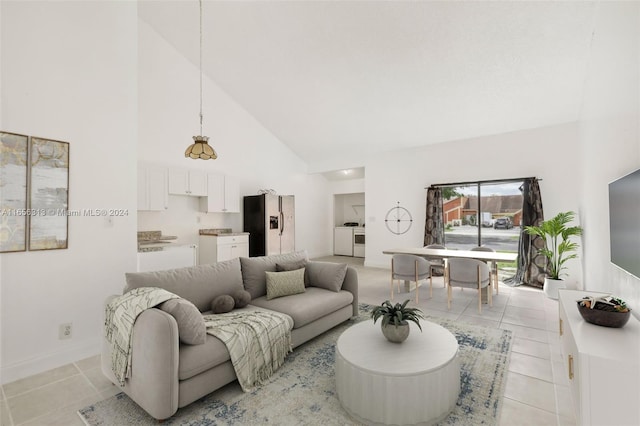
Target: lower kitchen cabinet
[
  {"x": 218, "y": 248},
  {"x": 169, "y": 257},
  {"x": 343, "y": 241},
  {"x": 602, "y": 365}
]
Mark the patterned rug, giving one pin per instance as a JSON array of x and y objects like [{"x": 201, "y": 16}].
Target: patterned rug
[{"x": 302, "y": 392}]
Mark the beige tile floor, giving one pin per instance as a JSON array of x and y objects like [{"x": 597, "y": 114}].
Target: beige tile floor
[{"x": 536, "y": 391}]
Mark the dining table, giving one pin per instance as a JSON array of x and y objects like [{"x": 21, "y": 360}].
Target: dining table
[{"x": 430, "y": 253}]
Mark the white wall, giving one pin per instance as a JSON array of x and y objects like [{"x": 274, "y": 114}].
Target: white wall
[
  {"x": 403, "y": 176},
  {"x": 68, "y": 76},
  {"x": 349, "y": 208},
  {"x": 610, "y": 139},
  {"x": 168, "y": 118}
]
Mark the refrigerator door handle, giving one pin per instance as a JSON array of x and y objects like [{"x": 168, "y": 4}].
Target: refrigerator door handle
[{"x": 281, "y": 223}]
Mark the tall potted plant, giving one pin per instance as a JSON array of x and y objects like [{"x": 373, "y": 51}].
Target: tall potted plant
[{"x": 558, "y": 248}]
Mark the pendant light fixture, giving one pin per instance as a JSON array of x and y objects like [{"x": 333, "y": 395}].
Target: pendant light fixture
[{"x": 200, "y": 148}]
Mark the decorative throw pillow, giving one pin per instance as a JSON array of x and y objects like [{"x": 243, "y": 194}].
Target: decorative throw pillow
[
  {"x": 292, "y": 266},
  {"x": 327, "y": 275},
  {"x": 241, "y": 299},
  {"x": 284, "y": 283},
  {"x": 191, "y": 328},
  {"x": 253, "y": 269},
  {"x": 222, "y": 304}
]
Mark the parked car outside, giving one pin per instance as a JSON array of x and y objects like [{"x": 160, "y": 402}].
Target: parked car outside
[{"x": 503, "y": 223}]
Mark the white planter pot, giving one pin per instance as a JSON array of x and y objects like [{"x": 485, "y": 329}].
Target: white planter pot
[
  {"x": 552, "y": 286},
  {"x": 396, "y": 334}
]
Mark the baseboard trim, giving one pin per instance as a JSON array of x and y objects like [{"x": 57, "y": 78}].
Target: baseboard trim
[{"x": 29, "y": 367}]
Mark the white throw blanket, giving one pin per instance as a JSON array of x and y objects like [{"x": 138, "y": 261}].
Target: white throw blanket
[
  {"x": 120, "y": 315},
  {"x": 258, "y": 342}
]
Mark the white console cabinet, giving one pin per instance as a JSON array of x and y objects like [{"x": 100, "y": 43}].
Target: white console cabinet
[
  {"x": 219, "y": 248},
  {"x": 603, "y": 365}
]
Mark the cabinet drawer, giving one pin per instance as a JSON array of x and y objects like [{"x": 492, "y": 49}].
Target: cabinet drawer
[{"x": 234, "y": 239}]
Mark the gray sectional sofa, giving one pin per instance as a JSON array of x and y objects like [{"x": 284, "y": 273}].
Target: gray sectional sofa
[{"x": 167, "y": 374}]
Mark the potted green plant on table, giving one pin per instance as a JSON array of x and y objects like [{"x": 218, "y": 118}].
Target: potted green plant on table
[
  {"x": 558, "y": 248},
  {"x": 395, "y": 326}
]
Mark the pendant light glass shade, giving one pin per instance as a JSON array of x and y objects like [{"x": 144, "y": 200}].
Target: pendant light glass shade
[{"x": 200, "y": 149}]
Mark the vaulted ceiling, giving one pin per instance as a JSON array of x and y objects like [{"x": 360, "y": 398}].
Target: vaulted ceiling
[{"x": 352, "y": 78}]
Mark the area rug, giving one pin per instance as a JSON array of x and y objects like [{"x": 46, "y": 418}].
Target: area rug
[{"x": 302, "y": 392}]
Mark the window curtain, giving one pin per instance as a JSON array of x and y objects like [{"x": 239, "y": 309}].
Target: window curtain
[
  {"x": 434, "y": 224},
  {"x": 531, "y": 264}
]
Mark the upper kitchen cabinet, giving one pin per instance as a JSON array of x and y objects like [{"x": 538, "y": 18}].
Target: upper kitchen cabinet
[
  {"x": 187, "y": 182},
  {"x": 223, "y": 194},
  {"x": 152, "y": 188}
]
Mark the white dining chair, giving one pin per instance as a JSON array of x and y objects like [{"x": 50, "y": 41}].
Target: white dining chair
[
  {"x": 436, "y": 262},
  {"x": 494, "y": 277},
  {"x": 468, "y": 273},
  {"x": 408, "y": 267}
]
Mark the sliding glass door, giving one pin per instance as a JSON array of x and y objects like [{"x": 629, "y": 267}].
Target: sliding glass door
[{"x": 484, "y": 214}]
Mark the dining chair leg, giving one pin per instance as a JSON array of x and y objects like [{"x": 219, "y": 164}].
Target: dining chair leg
[
  {"x": 417, "y": 282},
  {"x": 480, "y": 292},
  {"x": 430, "y": 287},
  {"x": 392, "y": 287},
  {"x": 490, "y": 292}
]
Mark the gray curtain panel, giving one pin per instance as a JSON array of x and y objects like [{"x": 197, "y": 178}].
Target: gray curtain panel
[
  {"x": 531, "y": 265},
  {"x": 434, "y": 225}
]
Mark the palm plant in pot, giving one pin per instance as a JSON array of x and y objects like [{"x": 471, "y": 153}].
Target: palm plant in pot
[
  {"x": 558, "y": 248},
  {"x": 395, "y": 326}
]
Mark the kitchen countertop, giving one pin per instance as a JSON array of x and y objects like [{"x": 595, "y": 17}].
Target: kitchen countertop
[
  {"x": 223, "y": 232},
  {"x": 153, "y": 241}
]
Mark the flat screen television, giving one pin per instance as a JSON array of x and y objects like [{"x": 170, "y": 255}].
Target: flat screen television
[{"x": 624, "y": 222}]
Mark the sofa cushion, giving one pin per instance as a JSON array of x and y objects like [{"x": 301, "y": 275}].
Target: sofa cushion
[
  {"x": 307, "y": 307},
  {"x": 254, "y": 268},
  {"x": 191, "y": 328},
  {"x": 285, "y": 283},
  {"x": 195, "y": 359},
  {"x": 327, "y": 275},
  {"x": 292, "y": 266},
  {"x": 198, "y": 284}
]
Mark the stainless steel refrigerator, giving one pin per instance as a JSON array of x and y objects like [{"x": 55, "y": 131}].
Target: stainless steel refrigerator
[{"x": 270, "y": 221}]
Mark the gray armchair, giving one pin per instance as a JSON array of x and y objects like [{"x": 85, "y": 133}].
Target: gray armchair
[
  {"x": 468, "y": 273},
  {"x": 409, "y": 267}
]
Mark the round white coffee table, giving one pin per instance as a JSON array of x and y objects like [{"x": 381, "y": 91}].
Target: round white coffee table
[{"x": 414, "y": 382}]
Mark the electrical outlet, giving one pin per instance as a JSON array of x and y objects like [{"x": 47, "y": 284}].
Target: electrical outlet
[{"x": 65, "y": 331}]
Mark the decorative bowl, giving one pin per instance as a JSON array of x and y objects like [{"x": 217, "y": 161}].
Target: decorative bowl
[{"x": 604, "y": 318}]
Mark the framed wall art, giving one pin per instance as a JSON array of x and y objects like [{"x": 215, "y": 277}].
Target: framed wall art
[
  {"x": 49, "y": 194},
  {"x": 14, "y": 156}
]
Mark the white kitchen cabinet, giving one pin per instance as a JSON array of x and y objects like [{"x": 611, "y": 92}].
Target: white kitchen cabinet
[
  {"x": 343, "y": 241},
  {"x": 219, "y": 248},
  {"x": 223, "y": 194},
  {"x": 602, "y": 365},
  {"x": 152, "y": 188},
  {"x": 187, "y": 182}
]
